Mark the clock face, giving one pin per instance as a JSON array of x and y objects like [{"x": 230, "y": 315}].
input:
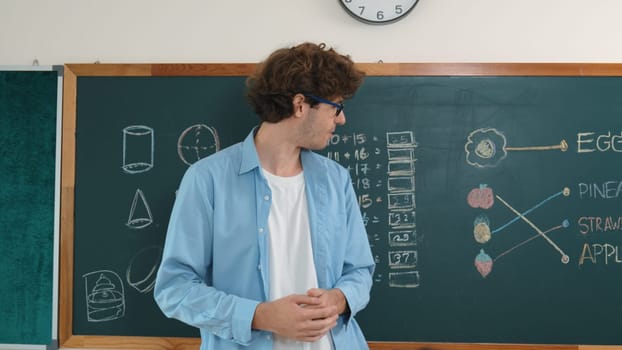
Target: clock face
[{"x": 378, "y": 11}]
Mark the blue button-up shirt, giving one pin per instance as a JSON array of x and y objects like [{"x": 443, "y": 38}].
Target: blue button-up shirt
[{"x": 215, "y": 265}]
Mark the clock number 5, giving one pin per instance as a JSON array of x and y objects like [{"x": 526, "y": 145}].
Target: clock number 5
[{"x": 378, "y": 11}]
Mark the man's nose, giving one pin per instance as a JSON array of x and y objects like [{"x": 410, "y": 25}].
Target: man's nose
[{"x": 341, "y": 118}]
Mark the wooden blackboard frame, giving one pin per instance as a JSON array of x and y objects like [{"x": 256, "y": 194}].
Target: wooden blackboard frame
[{"x": 70, "y": 90}]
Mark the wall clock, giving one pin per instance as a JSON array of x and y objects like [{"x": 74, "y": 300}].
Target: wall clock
[{"x": 378, "y": 11}]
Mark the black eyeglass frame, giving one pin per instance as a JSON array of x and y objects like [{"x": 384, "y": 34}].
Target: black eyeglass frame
[{"x": 338, "y": 106}]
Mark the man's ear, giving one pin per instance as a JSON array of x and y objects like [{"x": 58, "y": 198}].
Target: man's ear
[{"x": 298, "y": 101}]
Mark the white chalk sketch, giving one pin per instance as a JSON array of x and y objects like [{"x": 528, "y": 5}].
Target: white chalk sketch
[
  {"x": 140, "y": 213},
  {"x": 137, "y": 149},
  {"x": 105, "y": 297},
  {"x": 142, "y": 269},
  {"x": 486, "y": 147},
  {"x": 405, "y": 279},
  {"x": 197, "y": 142}
]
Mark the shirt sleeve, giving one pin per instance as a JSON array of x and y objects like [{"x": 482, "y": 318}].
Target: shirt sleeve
[
  {"x": 183, "y": 285},
  {"x": 356, "y": 279}
]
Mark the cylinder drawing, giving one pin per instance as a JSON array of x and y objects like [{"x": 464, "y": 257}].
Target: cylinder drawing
[{"x": 137, "y": 149}]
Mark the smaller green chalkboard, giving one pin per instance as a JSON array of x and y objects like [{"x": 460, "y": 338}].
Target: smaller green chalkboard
[{"x": 28, "y": 127}]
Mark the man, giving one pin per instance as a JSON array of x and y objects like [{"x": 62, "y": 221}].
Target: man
[{"x": 266, "y": 248}]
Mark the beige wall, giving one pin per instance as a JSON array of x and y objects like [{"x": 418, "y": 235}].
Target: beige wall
[{"x": 82, "y": 31}]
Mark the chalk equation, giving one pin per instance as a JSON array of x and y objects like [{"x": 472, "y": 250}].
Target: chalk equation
[{"x": 383, "y": 175}]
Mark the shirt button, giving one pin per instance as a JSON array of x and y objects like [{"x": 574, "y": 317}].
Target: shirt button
[
  {"x": 266, "y": 198},
  {"x": 268, "y": 337},
  {"x": 261, "y": 230},
  {"x": 258, "y": 267}
]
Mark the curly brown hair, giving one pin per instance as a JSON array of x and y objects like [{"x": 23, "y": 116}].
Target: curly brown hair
[{"x": 306, "y": 68}]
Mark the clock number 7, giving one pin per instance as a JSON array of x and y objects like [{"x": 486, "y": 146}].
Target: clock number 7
[{"x": 362, "y": 9}]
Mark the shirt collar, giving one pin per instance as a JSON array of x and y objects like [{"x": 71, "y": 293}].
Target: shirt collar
[{"x": 250, "y": 159}]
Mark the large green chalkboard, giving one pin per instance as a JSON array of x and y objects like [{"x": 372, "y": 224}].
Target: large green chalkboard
[
  {"x": 493, "y": 203},
  {"x": 28, "y": 109}
]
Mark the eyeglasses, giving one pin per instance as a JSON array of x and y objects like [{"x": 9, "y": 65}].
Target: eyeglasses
[{"x": 339, "y": 106}]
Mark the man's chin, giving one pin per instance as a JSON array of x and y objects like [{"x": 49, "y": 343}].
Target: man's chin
[{"x": 317, "y": 148}]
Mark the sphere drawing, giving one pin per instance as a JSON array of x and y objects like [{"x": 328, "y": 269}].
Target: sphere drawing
[{"x": 197, "y": 142}]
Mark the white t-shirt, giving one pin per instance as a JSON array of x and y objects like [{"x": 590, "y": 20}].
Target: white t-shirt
[{"x": 292, "y": 270}]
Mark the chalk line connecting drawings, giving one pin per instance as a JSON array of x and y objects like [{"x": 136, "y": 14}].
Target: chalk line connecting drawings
[
  {"x": 486, "y": 147},
  {"x": 483, "y": 197}
]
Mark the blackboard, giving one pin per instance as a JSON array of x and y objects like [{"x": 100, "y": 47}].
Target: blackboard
[
  {"x": 126, "y": 181},
  {"x": 492, "y": 200},
  {"x": 28, "y": 126}
]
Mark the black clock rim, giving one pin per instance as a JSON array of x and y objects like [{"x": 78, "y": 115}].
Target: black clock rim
[{"x": 366, "y": 21}]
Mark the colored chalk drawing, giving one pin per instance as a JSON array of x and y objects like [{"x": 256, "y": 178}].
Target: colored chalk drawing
[
  {"x": 483, "y": 234},
  {"x": 486, "y": 147}
]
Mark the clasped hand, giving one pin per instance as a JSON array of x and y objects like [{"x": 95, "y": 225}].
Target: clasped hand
[{"x": 301, "y": 317}]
